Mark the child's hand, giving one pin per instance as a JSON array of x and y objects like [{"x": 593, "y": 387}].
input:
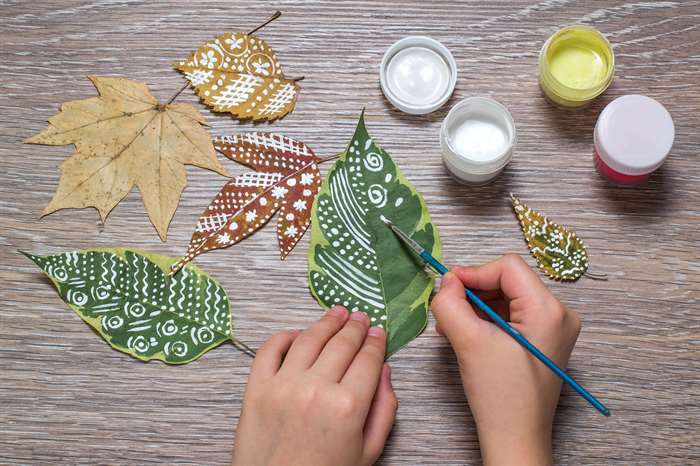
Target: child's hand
[
  {"x": 318, "y": 397},
  {"x": 511, "y": 394}
]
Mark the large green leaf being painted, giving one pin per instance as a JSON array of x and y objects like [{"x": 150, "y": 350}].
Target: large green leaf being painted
[
  {"x": 354, "y": 259},
  {"x": 128, "y": 298}
]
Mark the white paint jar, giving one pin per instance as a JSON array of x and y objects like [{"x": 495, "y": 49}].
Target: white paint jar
[
  {"x": 477, "y": 139},
  {"x": 417, "y": 75}
]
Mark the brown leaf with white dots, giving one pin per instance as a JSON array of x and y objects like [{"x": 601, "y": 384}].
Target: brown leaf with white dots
[
  {"x": 240, "y": 74},
  {"x": 287, "y": 179}
]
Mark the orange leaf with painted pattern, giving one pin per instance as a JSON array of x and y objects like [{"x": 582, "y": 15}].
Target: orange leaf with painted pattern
[
  {"x": 239, "y": 73},
  {"x": 286, "y": 179}
]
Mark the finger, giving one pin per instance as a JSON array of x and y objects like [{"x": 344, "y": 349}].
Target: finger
[
  {"x": 340, "y": 350},
  {"x": 363, "y": 374},
  {"x": 380, "y": 418},
  {"x": 510, "y": 274},
  {"x": 268, "y": 358},
  {"x": 310, "y": 342},
  {"x": 452, "y": 311}
]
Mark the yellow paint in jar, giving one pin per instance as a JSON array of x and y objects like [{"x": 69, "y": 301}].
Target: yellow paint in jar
[{"x": 576, "y": 66}]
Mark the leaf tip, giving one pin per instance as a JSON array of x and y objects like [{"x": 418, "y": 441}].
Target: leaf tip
[
  {"x": 29, "y": 256},
  {"x": 32, "y": 139}
]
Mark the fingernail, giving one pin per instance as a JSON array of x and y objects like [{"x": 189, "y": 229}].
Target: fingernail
[
  {"x": 447, "y": 278},
  {"x": 338, "y": 311},
  {"x": 360, "y": 316},
  {"x": 438, "y": 330},
  {"x": 377, "y": 331}
]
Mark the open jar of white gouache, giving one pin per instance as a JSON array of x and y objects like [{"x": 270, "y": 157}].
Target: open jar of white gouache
[{"x": 477, "y": 139}]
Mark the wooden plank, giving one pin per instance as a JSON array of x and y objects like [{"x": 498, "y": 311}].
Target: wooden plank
[{"x": 66, "y": 397}]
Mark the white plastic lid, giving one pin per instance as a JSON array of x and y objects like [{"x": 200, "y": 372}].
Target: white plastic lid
[
  {"x": 634, "y": 134},
  {"x": 418, "y": 74}
]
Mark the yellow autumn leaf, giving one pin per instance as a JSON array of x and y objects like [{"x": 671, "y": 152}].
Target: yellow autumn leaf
[
  {"x": 125, "y": 137},
  {"x": 239, "y": 73}
]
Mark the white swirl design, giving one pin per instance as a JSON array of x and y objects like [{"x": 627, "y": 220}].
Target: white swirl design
[
  {"x": 60, "y": 274},
  {"x": 99, "y": 293},
  {"x": 77, "y": 297},
  {"x": 135, "y": 310},
  {"x": 205, "y": 335},
  {"x": 377, "y": 195},
  {"x": 140, "y": 344},
  {"x": 169, "y": 328},
  {"x": 113, "y": 323},
  {"x": 373, "y": 162},
  {"x": 179, "y": 348}
]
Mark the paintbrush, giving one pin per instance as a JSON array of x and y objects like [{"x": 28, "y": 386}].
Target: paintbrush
[{"x": 498, "y": 320}]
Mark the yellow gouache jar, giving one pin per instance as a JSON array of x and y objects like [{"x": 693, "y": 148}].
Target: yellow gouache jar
[{"x": 576, "y": 65}]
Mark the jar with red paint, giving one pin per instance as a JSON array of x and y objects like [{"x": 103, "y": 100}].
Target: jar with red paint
[{"x": 632, "y": 138}]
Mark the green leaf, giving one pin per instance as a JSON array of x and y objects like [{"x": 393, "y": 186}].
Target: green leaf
[
  {"x": 558, "y": 251},
  {"x": 127, "y": 297},
  {"x": 354, "y": 259}
]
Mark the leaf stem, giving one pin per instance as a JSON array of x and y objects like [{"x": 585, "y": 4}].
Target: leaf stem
[
  {"x": 274, "y": 16},
  {"x": 332, "y": 157},
  {"x": 187, "y": 84},
  {"x": 243, "y": 347},
  {"x": 596, "y": 276}
]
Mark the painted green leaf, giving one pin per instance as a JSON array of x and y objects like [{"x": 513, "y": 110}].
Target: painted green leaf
[
  {"x": 354, "y": 259},
  {"x": 128, "y": 298},
  {"x": 558, "y": 251}
]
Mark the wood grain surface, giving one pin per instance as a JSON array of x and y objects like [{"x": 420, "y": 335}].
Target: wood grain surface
[{"x": 67, "y": 398}]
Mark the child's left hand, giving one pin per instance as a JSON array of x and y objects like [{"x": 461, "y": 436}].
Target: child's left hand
[{"x": 318, "y": 397}]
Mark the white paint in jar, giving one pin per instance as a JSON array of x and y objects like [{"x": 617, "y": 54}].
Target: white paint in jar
[{"x": 477, "y": 139}]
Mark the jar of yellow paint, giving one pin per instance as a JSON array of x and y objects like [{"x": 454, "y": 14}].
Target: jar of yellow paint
[{"x": 576, "y": 65}]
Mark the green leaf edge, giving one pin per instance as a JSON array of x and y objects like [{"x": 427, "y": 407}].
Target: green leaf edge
[
  {"x": 163, "y": 262},
  {"x": 316, "y": 232}
]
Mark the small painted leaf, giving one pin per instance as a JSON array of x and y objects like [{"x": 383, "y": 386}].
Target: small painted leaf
[
  {"x": 240, "y": 74},
  {"x": 559, "y": 252},
  {"x": 127, "y": 298},
  {"x": 354, "y": 259},
  {"x": 287, "y": 179}
]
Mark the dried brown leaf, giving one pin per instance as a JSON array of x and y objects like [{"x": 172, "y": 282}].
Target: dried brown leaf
[{"x": 125, "y": 137}]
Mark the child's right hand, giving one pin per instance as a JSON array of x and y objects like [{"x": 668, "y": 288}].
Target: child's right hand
[{"x": 511, "y": 394}]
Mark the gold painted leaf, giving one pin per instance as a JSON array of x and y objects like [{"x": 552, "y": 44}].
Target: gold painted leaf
[
  {"x": 125, "y": 137},
  {"x": 239, "y": 73},
  {"x": 558, "y": 251}
]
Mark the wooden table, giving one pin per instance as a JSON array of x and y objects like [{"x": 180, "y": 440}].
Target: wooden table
[{"x": 66, "y": 397}]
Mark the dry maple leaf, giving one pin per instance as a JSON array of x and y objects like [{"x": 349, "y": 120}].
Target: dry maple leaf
[
  {"x": 240, "y": 74},
  {"x": 287, "y": 179},
  {"x": 124, "y": 138}
]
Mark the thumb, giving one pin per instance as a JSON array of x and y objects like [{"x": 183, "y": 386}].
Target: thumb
[{"x": 454, "y": 315}]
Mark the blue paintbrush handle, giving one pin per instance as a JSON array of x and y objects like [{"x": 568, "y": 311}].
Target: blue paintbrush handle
[{"x": 503, "y": 324}]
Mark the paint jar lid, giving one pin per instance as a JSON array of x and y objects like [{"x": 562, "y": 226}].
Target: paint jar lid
[
  {"x": 477, "y": 138},
  {"x": 634, "y": 134},
  {"x": 417, "y": 74}
]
